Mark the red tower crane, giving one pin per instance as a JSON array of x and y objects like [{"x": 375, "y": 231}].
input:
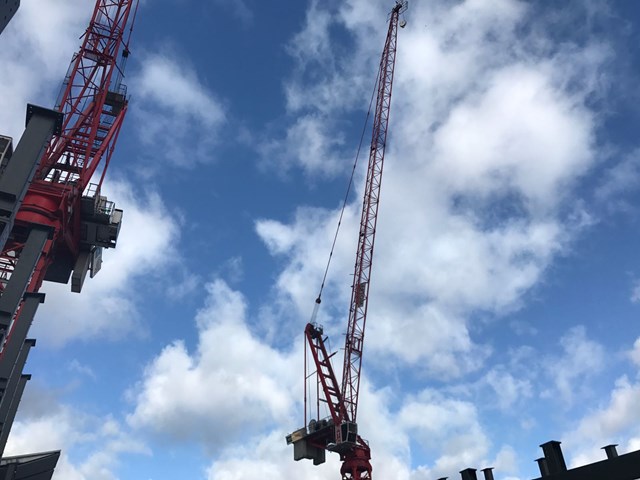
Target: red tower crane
[
  {"x": 54, "y": 222},
  {"x": 339, "y": 432}
]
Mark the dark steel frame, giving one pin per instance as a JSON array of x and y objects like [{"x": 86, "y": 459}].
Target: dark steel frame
[
  {"x": 53, "y": 221},
  {"x": 8, "y": 9}
]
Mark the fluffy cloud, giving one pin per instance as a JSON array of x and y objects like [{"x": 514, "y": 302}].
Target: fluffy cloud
[
  {"x": 176, "y": 114},
  {"x": 270, "y": 456},
  {"x": 581, "y": 359},
  {"x": 635, "y": 352},
  {"x": 177, "y": 89},
  {"x": 613, "y": 419},
  {"x": 107, "y": 306},
  {"x": 619, "y": 415},
  {"x": 448, "y": 426},
  {"x": 310, "y": 142},
  {"x": 511, "y": 130},
  {"x": 490, "y": 130},
  {"x": 231, "y": 383},
  {"x": 508, "y": 389},
  {"x": 235, "y": 382},
  {"x": 323, "y": 87},
  {"x": 239, "y": 9},
  {"x": 619, "y": 180},
  {"x": 611, "y": 423},
  {"x": 322, "y": 80},
  {"x": 447, "y": 431},
  {"x": 635, "y": 293},
  {"x": 36, "y": 48},
  {"x": 61, "y": 427}
]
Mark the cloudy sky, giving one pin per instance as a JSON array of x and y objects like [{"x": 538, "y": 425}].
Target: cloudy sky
[{"x": 505, "y": 288}]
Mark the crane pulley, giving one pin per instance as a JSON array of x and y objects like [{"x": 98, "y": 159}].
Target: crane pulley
[{"x": 339, "y": 432}]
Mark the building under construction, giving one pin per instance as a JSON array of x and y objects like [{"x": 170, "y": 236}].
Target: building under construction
[{"x": 54, "y": 220}]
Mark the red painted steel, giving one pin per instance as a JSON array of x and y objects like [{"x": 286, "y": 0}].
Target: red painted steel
[
  {"x": 343, "y": 402},
  {"x": 326, "y": 375},
  {"x": 354, "y": 340},
  {"x": 93, "y": 101},
  {"x": 355, "y": 462}
]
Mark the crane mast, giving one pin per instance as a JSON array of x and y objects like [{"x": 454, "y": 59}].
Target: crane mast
[
  {"x": 54, "y": 222},
  {"x": 339, "y": 433}
]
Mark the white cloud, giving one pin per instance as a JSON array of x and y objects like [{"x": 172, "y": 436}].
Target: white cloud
[
  {"x": 77, "y": 367},
  {"x": 176, "y": 88},
  {"x": 107, "y": 305},
  {"x": 270, "y": 456},
  {"x": 506, "y": 460},
  {"x": 37, "y": 47},
  {"x": 618, "y": 415},
  {"x": 582, "y": 358},
  {"x": 635, "y": 293},
  {"x": 322, "y": 90},
  {"x": 490, "y": 133},
  {"x": 176, "y": 115},
  {"x": 239, "y": 9},
  {"x": 447, "y": 430},
  {"x": 311, "y": 143},
  {"x": 511, "y": 138},
  {"x": 447, "y": 426},
  {"x": 614, "y": 422},
  {"x": 508, "y": 389},
  {"x": 234, "y": 382},
  {"x": 312, "y": 42},
  {"x": 424, "y": 335},
  {"x": 231, "y": 383},
  {"x": 487, "y": 140},
  {"x": 299, "y": 243},
  {"x": 635, "y": 352},
  {"x": 490, "y": 130},
  {"x": 102, "y": 439},
  {"x": 620, "y": 179}
]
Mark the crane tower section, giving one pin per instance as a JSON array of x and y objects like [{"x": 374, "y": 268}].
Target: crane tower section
[
  {"x": 339, "y": 432},
  {"x": 54, "y": 220}
]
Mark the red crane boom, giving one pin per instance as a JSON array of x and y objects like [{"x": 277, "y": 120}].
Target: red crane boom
[
  {"x": 53, "y": 221},
  {"x": 93, "y": 103},
  {"x": 339, "y": 433}
]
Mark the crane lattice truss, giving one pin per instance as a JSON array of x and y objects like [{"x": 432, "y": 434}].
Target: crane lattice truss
[
  {"x": 54, "y": 223},
  {"x": 339, "y": 433},
  {"x": 362, "y": 272}
]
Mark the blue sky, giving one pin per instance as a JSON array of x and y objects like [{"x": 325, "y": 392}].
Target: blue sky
[{"x": 506, "y": 280}]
